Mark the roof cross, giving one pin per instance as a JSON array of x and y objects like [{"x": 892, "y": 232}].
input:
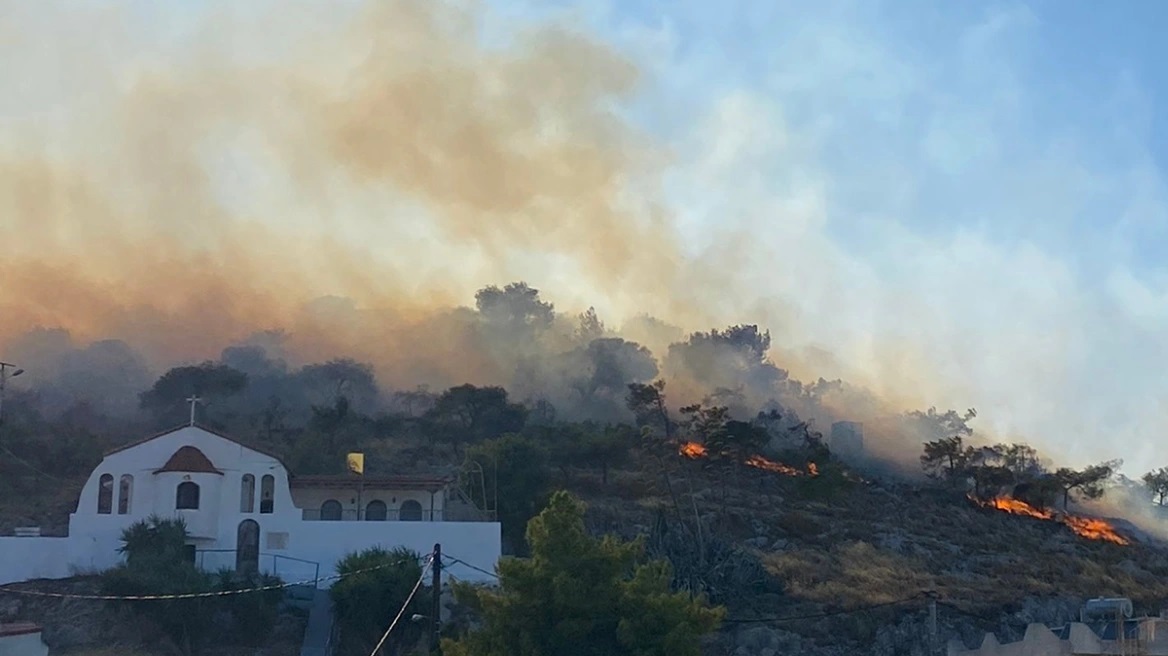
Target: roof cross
[{"x": 194, "y": 401}]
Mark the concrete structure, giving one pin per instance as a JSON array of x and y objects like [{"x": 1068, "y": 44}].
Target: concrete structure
[
  {"x": 21, "y": 639},
  {"x": 243, "y": 509},
  {"x": 847, "y": 439},
  {"x": 1118, "y": 636}
]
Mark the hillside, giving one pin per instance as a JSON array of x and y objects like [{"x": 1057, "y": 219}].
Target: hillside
[
  {"x": 823, "y": 564},
  {"x": 879, "y": 543}
]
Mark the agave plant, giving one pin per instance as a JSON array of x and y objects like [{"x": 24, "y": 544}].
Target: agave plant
[{"x": 154, "y": 539}]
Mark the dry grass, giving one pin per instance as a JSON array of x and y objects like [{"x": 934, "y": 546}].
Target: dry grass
[{"x": 853, "y": 574}]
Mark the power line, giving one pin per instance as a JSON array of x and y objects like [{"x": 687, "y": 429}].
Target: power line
[
  {"x": 29, "y": 465},
  {"x": 401, "y": 612},
  {"x": 474, "y": 567},
  {"x": 199, "y": 595}
]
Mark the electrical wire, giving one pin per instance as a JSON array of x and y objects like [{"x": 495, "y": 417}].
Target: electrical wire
[
  {"x": 199, "y": 595},
  {"x": 30, "y": 465},
  {"x": 452, "y": 559},
  {"x": 404, "y": 606}
]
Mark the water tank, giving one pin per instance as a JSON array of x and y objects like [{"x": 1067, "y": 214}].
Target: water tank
[{"x": 1106, "y": 608}]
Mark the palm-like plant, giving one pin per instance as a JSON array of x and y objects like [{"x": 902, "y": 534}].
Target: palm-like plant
[{"x": 155, "y": 540}]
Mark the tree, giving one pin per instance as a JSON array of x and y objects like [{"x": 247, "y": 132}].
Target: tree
[
  {"x": 375, "y": 584},
  {"x": 515, "y": 469},
  {"x": 516, "y": 306},
  {"x": 209, "y": 380},
  {"x": 325, "y": 382},
  {"x": 585, "y": 444},
  {"x": 1157, "y": 484},
  {"x": 612, "y": 363},
  {"x": 1021, "y": 459},
  {"x": 945, "y": 458},
  {"x": 987, "y": 467},
  {"x": 468, "y": 414},
  {"x": 736, "y": 356},
  {"x": 1041, "y": 492},
  {"x": 582, "y": 595},
  {"x": 647, "y": 403},
  {"x": 606, "y": 448},
  {"x": 932, "y": 425},
  {"x": 1090, "y": 483},
  {"x": 415, "y": 401},
  {"x": 590, "y": 328}
]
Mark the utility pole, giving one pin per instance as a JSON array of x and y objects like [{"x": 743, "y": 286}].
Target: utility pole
[
  {"x": 436, "y": 602},
  {"x": 4, "y": 376}
]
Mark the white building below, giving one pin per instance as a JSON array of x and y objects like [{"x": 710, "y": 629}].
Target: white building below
[{"x": 243, "y": 509}]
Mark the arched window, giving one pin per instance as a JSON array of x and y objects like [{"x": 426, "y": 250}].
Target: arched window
[
  {"x": 267, "y": 493},
  {"x": 125, "y": 492},
  {"x": 105, "y": 494},
  {"x": 186, "y": 497},
  {"x": 330, "y": 510},
  {"x": 247, "y": 494},
  {"x": 247, "y": 546},
  {"x": 375, "y": 511},
  {"x": 410, "y": 511}
]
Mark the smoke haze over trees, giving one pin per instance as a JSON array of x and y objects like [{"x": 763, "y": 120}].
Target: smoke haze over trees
[
  {"x": 267, "y": 193},
  {"x": 535, "y": 365}
]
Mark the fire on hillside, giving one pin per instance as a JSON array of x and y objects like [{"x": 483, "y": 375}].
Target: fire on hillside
[
  {"x": 1087, "y": 527},
  {"x": 695, "y": 451}
]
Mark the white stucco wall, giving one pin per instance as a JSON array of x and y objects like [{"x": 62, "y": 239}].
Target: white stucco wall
[{"x": 22, "y": 559}]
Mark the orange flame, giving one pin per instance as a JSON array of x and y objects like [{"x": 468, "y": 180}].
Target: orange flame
[
  {"x": 693, "y": 451},
  {"x": 1087, "y": 527},
  {"x": 770, "y": 465}
]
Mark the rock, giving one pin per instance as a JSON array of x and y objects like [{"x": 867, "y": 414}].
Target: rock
[
  {"x": 760, "y": 528},
  {"x": 758, "y": 543},
  {"x": 760, "y": 640}
]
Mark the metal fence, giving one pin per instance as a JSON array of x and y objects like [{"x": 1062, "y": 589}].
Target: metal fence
[
  {"x": 289, "y": 569},
  {"x": 390, "y": 515}
]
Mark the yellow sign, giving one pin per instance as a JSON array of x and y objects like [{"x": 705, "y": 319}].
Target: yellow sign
[{"x": 356, "y": 463}]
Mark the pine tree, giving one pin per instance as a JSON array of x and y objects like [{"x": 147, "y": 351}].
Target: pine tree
[{"x": 577, "y": 594}]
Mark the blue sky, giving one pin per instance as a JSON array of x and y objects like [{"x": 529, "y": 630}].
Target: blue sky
[{"x": 964, "y": 202}]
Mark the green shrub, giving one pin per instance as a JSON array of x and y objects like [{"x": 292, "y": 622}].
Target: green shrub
[
  {"x": 367, "y": 602},
  {"x": 155, "y": 566}
]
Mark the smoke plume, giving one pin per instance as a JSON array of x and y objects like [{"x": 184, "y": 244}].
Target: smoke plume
[{"x": 339, "y": 179}]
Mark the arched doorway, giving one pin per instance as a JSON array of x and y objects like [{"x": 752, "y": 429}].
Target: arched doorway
[
  {"x": 375, "y": 511},
  {"x": 410, "y": 511},
  {"x": 247, "y": 546}
]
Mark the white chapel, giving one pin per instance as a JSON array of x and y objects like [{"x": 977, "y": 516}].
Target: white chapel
[{"x": 244, "y": 509}]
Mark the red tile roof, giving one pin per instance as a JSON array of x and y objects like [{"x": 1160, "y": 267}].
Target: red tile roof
[{"x": 189, "y": 459}]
